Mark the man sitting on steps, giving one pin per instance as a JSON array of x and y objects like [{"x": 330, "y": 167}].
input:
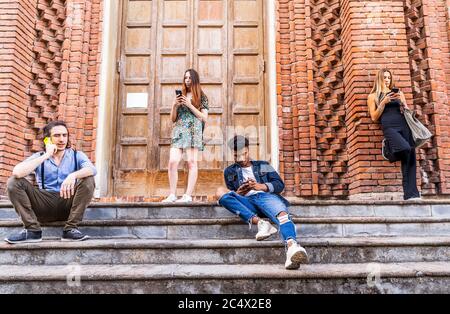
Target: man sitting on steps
[
  {"x": 255, "y": 187},
  {"x": 66, "y": 185}
]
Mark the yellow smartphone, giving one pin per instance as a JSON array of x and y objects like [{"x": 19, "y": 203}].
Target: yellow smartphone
[{"x": 47, "y": 140}]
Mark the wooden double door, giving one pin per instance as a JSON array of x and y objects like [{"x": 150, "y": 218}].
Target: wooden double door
[{"x": 159, "y": 39}]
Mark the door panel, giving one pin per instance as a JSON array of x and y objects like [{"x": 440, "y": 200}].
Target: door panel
[
  {"x": 174, "y": 55},
  {"x": 160, "y": 39},
  {"x": 136, "y": 98},
  {"x": 210, "y": 47},
  {"x": 247, "y": 81}
]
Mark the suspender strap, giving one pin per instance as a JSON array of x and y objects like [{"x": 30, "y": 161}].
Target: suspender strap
[
  {"x": 42, "y": 173},
  {"x": 75, "y": 159}
]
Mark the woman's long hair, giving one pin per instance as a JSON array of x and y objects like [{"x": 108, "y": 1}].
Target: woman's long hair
[
  {"x": 379, "y": 83},
  {"x": 195, "y": 89}
]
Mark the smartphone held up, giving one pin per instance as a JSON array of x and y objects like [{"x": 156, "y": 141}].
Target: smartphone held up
[{"x": 48, "y": 141}]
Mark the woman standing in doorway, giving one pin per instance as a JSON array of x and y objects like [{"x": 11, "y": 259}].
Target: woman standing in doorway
[
  {"x": 189, "y": 114},
  {"x": 387, "y": 104}
]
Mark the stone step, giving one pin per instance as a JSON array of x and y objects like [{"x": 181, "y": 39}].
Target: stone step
[
  {"x": 110, "y": 211},
  {"x": 234, "y": 228},
  {"x": 415, "y": 277},
  {"x": 132, "y": 251}
]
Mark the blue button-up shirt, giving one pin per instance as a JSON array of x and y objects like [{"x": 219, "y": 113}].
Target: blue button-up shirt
[{"x": 54, "y": 175}]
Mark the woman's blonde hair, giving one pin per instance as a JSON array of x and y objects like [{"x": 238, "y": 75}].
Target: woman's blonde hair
[{"x": 379, "y": 83}]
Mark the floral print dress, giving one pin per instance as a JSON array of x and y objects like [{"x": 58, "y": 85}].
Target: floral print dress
[{"x": 188, "y": 129}]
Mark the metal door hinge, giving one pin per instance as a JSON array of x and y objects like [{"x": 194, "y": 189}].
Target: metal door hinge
[{"x": 119, "y": 66}]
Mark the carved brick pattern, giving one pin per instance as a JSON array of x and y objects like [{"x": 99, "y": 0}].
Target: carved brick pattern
[
  {"x": 46, "y": 68},
  {"x": 329, "y": 105},
  {"x": 421, "y": 88}
]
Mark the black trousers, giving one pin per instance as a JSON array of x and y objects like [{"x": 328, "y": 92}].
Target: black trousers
[{"x": 401, "y": 143}]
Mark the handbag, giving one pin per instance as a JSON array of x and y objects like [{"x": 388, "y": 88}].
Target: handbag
[
  {"x": 419, "y": 132},
  {"x": 386, "y": 151}
]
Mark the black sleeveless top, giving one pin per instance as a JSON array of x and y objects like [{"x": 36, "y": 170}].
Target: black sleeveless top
[{"x": 392, "y": 114}]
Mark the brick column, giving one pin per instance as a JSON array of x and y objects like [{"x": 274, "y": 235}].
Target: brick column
[
  {"x": 428, "y": 38},
  {"x": 80, "y": 71},
  {"x": 50, "y": 70},
  {"x": 46, "y": 69},
  {"x": 298, "y": 164},
  {"x": 17, "y": 19},
  {"x": 312, "y": 115},
  {"x": 286, "y": 90},
  {"x": 373, "y": 36}
]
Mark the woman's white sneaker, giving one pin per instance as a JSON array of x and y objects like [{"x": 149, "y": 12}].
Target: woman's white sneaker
[
  {"x": 295, "y": 256},
  {"x": 265, "y": 230},
  {"x": 170, "y": 199},
  {"x": 184, "y": 199}
]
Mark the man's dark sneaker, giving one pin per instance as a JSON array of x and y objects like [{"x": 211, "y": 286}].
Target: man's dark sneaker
[
  {"x": 26, "y": 236},
  {"x": 73, "y": 235}
]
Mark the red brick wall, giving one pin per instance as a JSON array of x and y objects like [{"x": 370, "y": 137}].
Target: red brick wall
[
  {"x": 328, "y": 53},
  {"x": 45, "y": 68},
  {"x": 17, "y": 33},
  {"x": 374, "y": 36},
  {"x": 428, "y": 37},
  {"x": 81, "y": 68},
  {"x": 49, "y": 70},
  {"x": 313, "y": 158}
]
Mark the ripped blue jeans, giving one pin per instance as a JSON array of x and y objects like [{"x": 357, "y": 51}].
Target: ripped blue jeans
[{"x": 262, "y": 205}]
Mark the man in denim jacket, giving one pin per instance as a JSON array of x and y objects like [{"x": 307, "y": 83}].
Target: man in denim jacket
[{"x": 255, "y": 191}]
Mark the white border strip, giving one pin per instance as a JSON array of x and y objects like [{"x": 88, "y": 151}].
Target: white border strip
[
  {"x": 106, "y": 82},
  {"x": 272, "y": 83}
]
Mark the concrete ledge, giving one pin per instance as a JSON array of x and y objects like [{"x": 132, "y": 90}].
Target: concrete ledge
[
  {"x": 179, "y": 271},
  {"x": 446, "y": 201},
  {"x": 236, "y": 286},
  {"x": 215, "y": 244},
  {"x": 235, "y": 229},
  {"x": 136, "y": 251},
  {"x": 214, "y": 286},
  {"x": 237, "y": 221},
  {"x": 206, "y": 212}
]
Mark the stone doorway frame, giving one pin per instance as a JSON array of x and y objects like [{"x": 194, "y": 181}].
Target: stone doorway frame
[{"x": 108, "y": 83}]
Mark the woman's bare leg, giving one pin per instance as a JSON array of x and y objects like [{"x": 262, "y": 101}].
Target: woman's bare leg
[
  {"x": 175, "y": 158},
  {"x": 192, "y": 154}
]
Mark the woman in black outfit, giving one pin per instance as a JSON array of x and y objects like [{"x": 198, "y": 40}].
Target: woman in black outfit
[{"x": 387, "y": 106}]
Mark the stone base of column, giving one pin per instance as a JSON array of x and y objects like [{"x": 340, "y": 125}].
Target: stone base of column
[{"x": 385, "y": 196}]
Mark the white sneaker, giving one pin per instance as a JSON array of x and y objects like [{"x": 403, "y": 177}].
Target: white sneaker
[
  {"x": 295, "y": 256},
  {"x": 265, "y": 230},
  {"x": 184, "y": 199},
  {"x": 170, "y": 199},
  {"x": 414, "y": 199}
]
